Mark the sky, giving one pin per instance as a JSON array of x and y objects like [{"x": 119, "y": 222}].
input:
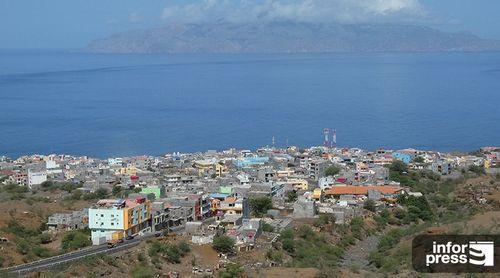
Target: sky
[{"x": 70, "y": 24}]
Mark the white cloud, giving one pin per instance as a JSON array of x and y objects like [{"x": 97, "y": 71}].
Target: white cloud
[{"x": 343, "y": 11}]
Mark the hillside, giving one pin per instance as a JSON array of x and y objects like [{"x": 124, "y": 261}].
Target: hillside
[{"x": 288, "y": 37}]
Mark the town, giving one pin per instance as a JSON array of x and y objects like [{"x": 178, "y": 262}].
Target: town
[{"x": 234, "y": 200}]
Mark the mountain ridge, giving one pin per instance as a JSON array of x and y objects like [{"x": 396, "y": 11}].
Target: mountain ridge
[{"x": 289, "y": 37}]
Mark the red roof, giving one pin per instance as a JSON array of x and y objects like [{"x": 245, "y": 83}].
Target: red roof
[
  {"x": 7, "y": 172},
  {"x": 361, "y": 190}
]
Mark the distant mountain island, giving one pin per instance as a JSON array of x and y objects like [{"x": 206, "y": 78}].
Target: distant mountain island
[{"x": 288, "y": 37}]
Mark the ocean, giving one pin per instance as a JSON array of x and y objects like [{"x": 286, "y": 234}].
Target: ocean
[{"x": 107, "y": 105}]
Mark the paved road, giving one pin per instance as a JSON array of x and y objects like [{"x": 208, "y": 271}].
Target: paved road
[
  {"x": 73, "y": 256},
  {"x": 80, "y": 254}
]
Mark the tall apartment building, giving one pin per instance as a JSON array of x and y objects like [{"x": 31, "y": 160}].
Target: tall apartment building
[
  {"x": 36, "y": 177},
  {"x": 112, "y": 219}
]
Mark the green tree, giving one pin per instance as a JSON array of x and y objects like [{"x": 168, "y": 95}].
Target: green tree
[
  {"x": 266, "y": 227},
  {"x": 261, "y": 205},
  {"x": 172, "y": 253},
  {"x": 332, "y": 171},
  {"x": 477, "y": 169},
  {"x": 291, "y": 196},
  {"x": 151, "y": 196},
  {"x": 47, "y": 184},
  {"x": 116, "y": 191},
  {"x": 287, "y": 240},
  {"x": 223, "y": 244},
  {"x": 418, "y": 159},
  {"x": 45, "y": 238},
  {"x": 398, "y": 166},
  {"x": 101, "y": 193},
  {"x": 73, "y": 240},
  {"x": 370, "y": 205}
]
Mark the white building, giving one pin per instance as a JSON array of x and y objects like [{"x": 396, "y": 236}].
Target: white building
[{"x": 36, "y": 177}]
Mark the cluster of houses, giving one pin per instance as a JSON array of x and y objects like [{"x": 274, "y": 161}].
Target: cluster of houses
[{"x": 209, "y": 193}]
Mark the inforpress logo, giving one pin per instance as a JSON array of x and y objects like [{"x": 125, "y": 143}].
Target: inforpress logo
[
  {"x": 482, "y": 253},
  {"x": 435, "y": 253}
]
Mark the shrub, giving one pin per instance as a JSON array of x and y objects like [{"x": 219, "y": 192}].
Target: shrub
[
  {"x": 274, "y": 255},
  {"x": 266, "y": 227},
  {"x": 324, "y": 219},
  {"x": 310, "y": 249},
  {"x": 418, "y": 159},
  {"x": 370, "y": 205},
  {"x": 357, "y": 224},
  {"x": 261, "y": 205},
  {"x": 223, "y": 244},
  {"x": 288, "y": 245},
  {"x": 184, "y": 247},
  {"x": 45, "y": 238},
  {"x": 332, "y": 171},
  {"x": 41, "y": 252},
  {"x": 172, "y": 253},
  {"x": 291, "y": 196},
  {"x": 18, "y": 230},
  {"x": 142, "y": 271},
  {"x": 477, "y": 169},
  {"x": 151, "y": 196},
  {"x": 232, "y": 270},
  {"x": 116, "y": 191},
  {"x": 23, "y": 246},
  {"x": 101, "y": 193},
  {"x": 73, "y": 240}
]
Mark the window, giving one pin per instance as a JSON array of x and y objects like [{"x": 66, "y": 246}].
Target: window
[
  {"x": 102, "y": 215},
  {"x": 112, "y": 224}
]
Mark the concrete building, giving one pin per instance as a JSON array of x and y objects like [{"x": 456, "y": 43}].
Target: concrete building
[
  {"x": 36, "y": 177},
  {"x": 68, "y": 221},
  {"x": 316, "y": 169},
  {"x": 112, "y": 219},
  {"x": 304, "y": 208},
  {"x": 441, "y": 167}
]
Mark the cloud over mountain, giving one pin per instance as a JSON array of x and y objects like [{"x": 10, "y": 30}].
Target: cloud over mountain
[{"x": 339, "y": 11}]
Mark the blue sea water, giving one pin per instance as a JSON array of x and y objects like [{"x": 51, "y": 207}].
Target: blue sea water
[{"x": 112, "y": 105}]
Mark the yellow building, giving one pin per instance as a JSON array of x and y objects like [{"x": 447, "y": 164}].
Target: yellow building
[
  {"x": 220, "y": 169},
  {"x": 112, "y": 219},
  {"x": 298, "y": 184},
  {"x": 204, "y": 166},
  {"x": 285, "y": 173},
  {"x": 317, "y": 193},
  {"x": 129, "y": 171}
]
